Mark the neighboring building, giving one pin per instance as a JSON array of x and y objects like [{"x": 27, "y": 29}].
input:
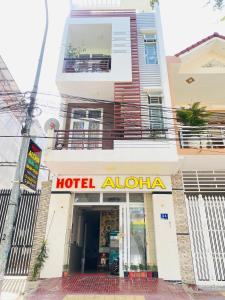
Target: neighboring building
[
  {"x": 197, "y": 74},
  {"x": 114, "y": 157},
  {"x": 11, "y": 121}
]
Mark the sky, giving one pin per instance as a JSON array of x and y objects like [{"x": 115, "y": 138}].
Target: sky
[{"x": 22, "y": 23}]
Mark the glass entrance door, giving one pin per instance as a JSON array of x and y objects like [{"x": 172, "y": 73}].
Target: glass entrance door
[
  {"x": 123, "y": 242},
  {"x": 132, "y": 237}
]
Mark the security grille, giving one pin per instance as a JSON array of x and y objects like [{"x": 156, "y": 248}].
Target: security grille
[
  {"x": 20, "y": 253},
  {"x": 4, "y": 202},
  {"x": 205, "y": 200},
  {"x": 204, "y": 181}
]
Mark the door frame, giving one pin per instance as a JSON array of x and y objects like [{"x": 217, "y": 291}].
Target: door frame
[{"x": 124, "y": 226}]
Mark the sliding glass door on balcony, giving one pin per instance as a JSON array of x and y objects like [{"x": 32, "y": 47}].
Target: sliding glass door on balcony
[{"x": 86, "y": 127}]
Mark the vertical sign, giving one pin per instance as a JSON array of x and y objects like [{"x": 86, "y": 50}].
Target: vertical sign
[{"x": 32, "y": 166}]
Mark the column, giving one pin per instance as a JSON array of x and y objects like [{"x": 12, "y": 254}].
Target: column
[
  {"x": 165, "y": 237},
  {"x": 56, "y": 235}
]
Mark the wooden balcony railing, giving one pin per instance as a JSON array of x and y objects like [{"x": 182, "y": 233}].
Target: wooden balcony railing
[
  {"x": 202, "y": 137},
  {"x": 88, "y": 64},
  {"x": 103, "y": 139}
]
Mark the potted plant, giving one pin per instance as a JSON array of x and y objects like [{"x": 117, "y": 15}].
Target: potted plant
[
  {"x": 65, "y": 270},
  {"x": 154, "y": 270},
  {"x": 133, "y": 269},
  {"x": 73, "y": 52},
  {"x": 143, "y": 273},
  {"x": 126, "y": 273},
  {"x": 194, "y": 115},
  {"x": 149, "y": 272}
]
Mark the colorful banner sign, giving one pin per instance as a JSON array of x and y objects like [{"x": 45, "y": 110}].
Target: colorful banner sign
[{"x": 32, "y": 166}]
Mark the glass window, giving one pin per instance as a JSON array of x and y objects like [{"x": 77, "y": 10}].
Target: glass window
[
  {"x": 155, "y": 112},
  {"x": 156, "y": 117},
  {"x": 79, "y": 114},
  {"x": 94, "y": 114},
  {"x": 137, "y": 236},
  {"x": 151, "y": 53},
  {"x": 114, "y": 197},
  {"x": 87, "y": 197},
  {"x": 136, "y": 197}
]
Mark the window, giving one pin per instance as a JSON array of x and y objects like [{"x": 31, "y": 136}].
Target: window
[
  {"x": 86, "y": 125},
  {"x": 86, "y": 197},
  {"x": 151, "y": 57},
  {"x": 136, "y": 197},
  {"x": 155, "y": 113},
  {"x": 114, "y": 197}
]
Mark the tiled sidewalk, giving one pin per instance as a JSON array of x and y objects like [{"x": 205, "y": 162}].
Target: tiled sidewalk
[{"x": 105, "y": 287}]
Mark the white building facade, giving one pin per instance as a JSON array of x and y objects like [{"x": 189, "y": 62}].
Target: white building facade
[{"x": 114, "y": 157}]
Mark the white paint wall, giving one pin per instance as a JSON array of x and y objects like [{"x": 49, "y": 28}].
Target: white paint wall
[
  {"x": 57, "y": 235},
  {"x": 165, "y": 238}
]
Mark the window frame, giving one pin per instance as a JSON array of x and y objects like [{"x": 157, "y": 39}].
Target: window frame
[{"x": 151, "y": 41}]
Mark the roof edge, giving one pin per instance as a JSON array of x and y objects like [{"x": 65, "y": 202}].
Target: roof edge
[{"x": 210, "y": 37}]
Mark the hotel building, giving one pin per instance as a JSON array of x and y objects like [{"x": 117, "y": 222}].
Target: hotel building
[{"x": 117, "y": 199}]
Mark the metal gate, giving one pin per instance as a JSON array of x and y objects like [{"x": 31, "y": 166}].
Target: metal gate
[
  {"x": 22, "y": 241},
  {"x": 206, "y": 217}
]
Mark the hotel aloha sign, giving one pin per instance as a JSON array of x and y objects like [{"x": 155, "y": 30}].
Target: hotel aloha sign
[{"x": 111, "y": 183}]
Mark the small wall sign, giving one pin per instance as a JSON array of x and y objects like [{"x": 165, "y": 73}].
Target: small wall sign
[{"x": 164, "y": 216}]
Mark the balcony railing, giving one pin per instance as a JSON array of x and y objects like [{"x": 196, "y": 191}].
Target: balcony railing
[
  {"x": 202, "y": 137},
  {"x": 103, "y": 139},
  {"x": 87, "y": 63}
]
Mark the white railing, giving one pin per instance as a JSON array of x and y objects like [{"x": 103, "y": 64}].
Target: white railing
[{"x": 210, "y": 136}]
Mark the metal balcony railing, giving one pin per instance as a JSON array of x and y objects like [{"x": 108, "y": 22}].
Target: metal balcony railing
[
  {"x": 103, "y": 139},
  {"x": 210, "y": 136},
  {"x": 87, "y": 63}
]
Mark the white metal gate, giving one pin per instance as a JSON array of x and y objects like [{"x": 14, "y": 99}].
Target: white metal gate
[{"x": 206, "y": 217}]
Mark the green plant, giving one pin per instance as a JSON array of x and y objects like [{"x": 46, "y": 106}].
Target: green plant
[
  {"x": 65, "y": 268},
  {"x": 154, "y": 268},
  {"x": 125, "y": 266},
  {"x": 73, "y": 52},
  {"x": 133, "y": 267},
  {"x": 40, "y": 260},
  {"x": 148, "y": 267},
  {"x": 153, "y": 2},
  {"x": 141, "y": 267},
  {"x": 195, "y": 115}
]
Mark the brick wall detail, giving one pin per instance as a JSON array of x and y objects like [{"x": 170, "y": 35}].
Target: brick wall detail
[
  {"x": 41, "y": 224},
  {"x": 183, "y": 237}
]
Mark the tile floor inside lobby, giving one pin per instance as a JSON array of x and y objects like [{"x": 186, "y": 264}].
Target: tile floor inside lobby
[{"x": 106, "y": 287}]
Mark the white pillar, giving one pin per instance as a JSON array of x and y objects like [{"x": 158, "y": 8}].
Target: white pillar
[
  {"x": 56, "y": 234},
  {"x": 165, "y": 237}
]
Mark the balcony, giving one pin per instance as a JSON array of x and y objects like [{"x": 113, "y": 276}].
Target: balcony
[
  {"x": 103, "y": 139},
  {"x": 111, "y": 151},
  {"x": 87, "y": 63},
  {"x": 204, "y": 137},
  {"x": 94, "y": 49}
]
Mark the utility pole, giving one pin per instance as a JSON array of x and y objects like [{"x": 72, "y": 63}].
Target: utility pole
[{"x": 7, "y": 235}]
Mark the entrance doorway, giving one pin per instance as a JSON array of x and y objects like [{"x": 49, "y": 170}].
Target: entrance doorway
[{"x": 95, "y": 240}]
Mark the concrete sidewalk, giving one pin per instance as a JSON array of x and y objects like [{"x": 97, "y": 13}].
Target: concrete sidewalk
[{"x": 13, "y": 287}]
